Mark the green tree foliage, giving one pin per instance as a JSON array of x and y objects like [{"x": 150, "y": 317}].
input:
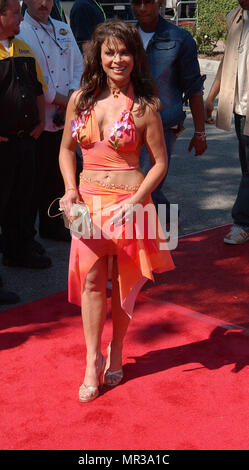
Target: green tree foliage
[{"x": 211, "y": 26}]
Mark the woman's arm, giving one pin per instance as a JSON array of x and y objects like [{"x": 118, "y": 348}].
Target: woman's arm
[
  {"x": 150, "y": 128},
  {"x": 153, "y": 137},
  {"x": 67, "y": 160}
]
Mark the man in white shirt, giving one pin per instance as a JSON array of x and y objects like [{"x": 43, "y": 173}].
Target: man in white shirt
[
  {"x": 61, "y": 62},
  {"x": 231, "y": 83}
]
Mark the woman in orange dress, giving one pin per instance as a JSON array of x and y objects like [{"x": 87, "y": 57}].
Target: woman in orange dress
[{"x": 112, "y": 115}]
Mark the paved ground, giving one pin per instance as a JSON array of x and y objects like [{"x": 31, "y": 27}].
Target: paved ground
[{"x": 204, "y": 187}]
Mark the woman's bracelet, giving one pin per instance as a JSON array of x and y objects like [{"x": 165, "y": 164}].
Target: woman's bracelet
[
  {"x": 70, "y": 189},
  {"x": 200, "y": 133}
]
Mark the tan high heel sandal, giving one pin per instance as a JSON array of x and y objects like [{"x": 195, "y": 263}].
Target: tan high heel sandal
[
  {"x": 89, "y": 393},
  {"x": 112, "y": 378}
]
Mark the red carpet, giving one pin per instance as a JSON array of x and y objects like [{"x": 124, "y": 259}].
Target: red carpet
[
  {"x": 186, "y": 368},
  {"x": 210, "y": 277}
]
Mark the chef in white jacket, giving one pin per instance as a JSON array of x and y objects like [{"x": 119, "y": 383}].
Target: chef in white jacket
[{"x": 60, "y": 59}]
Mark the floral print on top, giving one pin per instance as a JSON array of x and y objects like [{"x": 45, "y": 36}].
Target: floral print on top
[
  {"x": 118, "y": 150},
  {"x": 78, "y": 124},
  {"x": 117, "y": 129}
]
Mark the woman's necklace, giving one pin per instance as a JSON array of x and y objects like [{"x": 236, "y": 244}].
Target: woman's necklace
[{"x": 116, "y": 91}]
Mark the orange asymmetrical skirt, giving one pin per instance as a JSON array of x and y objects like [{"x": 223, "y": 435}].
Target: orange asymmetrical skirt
[{"x": 137, "y": 245}]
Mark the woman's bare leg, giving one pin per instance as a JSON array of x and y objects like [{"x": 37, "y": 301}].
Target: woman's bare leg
[
  {"x": 120, "y": 321},
  {"x": 94, "y": 307}
]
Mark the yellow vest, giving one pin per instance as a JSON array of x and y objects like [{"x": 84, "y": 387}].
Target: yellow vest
[{"x": 19, "y": 48}]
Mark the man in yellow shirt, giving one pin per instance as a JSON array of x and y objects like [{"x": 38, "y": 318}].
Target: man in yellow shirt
[{"x": 21, "y": 123}]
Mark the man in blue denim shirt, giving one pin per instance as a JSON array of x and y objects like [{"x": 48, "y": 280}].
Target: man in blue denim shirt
[{"x": 172, "y": 56}]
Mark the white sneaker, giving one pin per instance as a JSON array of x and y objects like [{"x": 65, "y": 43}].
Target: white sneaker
[{"x": 236, "y": 236}]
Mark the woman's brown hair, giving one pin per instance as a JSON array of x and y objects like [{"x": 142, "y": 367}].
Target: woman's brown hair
[{"x": 94, "y": 77}]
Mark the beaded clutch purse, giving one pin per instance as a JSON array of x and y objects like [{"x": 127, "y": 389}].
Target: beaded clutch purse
[{"x": 82, "y": 222}]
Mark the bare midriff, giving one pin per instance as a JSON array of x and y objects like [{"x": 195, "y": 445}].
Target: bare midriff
[{"x": 123, "y": 179}]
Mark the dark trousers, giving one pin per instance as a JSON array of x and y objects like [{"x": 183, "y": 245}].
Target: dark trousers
[
  {"x": 49, "y": 181},
  {"x": 240, "y": 210},
  {"x": 17, "y": 173}
]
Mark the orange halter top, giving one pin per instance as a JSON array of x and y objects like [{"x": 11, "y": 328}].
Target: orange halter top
[{"x": 119, "y": 150}]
